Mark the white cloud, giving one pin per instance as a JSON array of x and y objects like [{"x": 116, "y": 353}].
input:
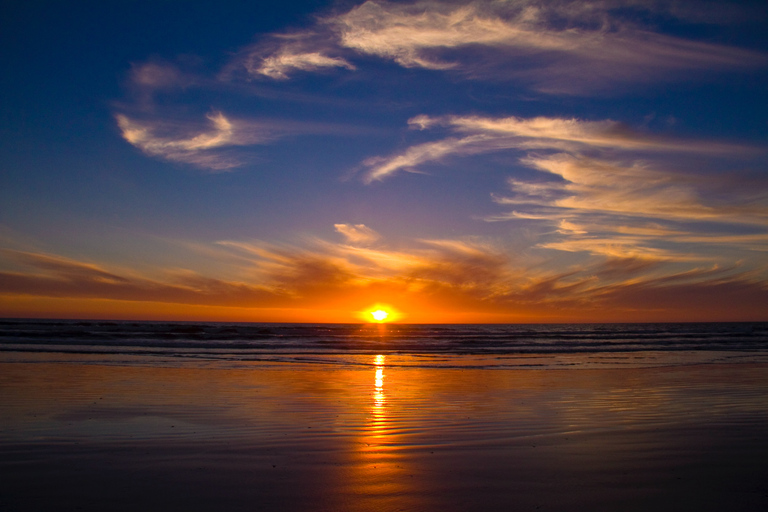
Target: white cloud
[
  {"x": 551, "y": 132},
  {"x": 618, "y": 210},
  {"x": 488, "y": 134},
  {"x": 280, "y": 55},
  {"x": 286, "y": 60},
  {"x": 568, "y": 47},
  {"x": 176, "y": 142},
  {"x": 594, "y": 48},
  {"x": 594, "y": 193},
  {"x": 594, "y": 185},
  {"x": 357, "y": 233},
  {"x": 598, "y": 185},
  {"x": 401, "y": 33},
  {"x": 381, "y": 167}
]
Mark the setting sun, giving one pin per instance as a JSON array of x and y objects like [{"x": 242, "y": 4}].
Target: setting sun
[{"x": 379, "y": 315}]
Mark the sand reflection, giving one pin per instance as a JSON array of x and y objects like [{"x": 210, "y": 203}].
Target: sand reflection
[
  {"x": 381, "y": 471},
  {"x": 379, "y": 398},
  {"x": 377, "y": 431}
]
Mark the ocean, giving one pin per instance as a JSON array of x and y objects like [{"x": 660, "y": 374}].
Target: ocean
[
  {"x": 483, "y": 346},
  {"x": 200, "y": 416}
]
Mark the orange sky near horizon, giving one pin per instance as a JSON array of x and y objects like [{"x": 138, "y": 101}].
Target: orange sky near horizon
[{"x": 411, "y": 312}]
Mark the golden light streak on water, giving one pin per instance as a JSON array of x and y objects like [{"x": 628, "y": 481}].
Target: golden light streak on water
[{"x": 379, "y": 398}]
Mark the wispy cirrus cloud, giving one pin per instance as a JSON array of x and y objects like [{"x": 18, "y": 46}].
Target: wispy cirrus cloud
[
  {"x": 556, "y": 47},
  {"x": 357, "y": 233},
  {"x": 560, "y": 47},
  {"x": 489, "y": 134},
  {"x": 608, "y": 207},
  {"x": 600, "y": 187},
  {"x": 284, "y": 54},
  {"x": 193, "y": 144},
  {"x": 212, "y": 146},
  {"x": 566, "y": 133},
  {"x": 216, "y": 141},
  {"x": 278, "y": 65},
  {"x": 49, "y": 275},
  {"x": 380, "y": 167}
]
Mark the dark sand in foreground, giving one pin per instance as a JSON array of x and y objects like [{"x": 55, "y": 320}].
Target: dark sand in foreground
[{"x": 381, "y": 438}]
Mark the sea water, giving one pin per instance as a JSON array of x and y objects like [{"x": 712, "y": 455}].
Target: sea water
[{"x": 490, "y": 346}]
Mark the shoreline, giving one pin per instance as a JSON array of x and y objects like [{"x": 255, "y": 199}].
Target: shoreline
[{"x": 504, "y": 361}]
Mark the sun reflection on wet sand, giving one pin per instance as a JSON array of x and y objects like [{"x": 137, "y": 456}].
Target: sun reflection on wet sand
[
  {"x": 381, "y": 472},
  {"x": 379, "y": 398}
]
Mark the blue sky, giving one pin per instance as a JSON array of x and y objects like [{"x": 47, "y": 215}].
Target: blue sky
[{"x": 457, "y": 161}]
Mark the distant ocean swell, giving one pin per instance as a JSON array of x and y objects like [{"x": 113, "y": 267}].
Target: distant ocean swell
[{"x": 245, "y": 341}]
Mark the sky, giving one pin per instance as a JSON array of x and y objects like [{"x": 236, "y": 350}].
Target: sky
[{"x": 309, "y": 161}]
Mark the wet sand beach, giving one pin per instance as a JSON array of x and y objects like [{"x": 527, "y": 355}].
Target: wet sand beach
[{"x": 87, "y": 435}]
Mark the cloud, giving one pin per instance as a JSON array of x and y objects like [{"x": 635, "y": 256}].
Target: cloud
[
  {"x": 56, "y": 276},
  {"x": 560, "y": 47},
  {"x": 283, "y": 54},
  {"x": 437, "y": 275},
  {"x": 552, "y": 132},
  {"x": 357, "y": 233},
  {"x": 471, "y": 267},
  {"x": 156, "y": 75},
  {"x": 597, "y": 190},
  {"x": 555, "y": 47},
  {"x": 201, "y": 148},
  {"x": 280, "y": 64},
  {"x": 596, "y": 186},
  {"x": 732, "y": 298},
  {"x": 475, "y": 274},
  {"x": 617, "y": 209},
  {"x": 403, "y": 32},
  {"x": 147, "y": 81},
  {"x": 65, "y": 268},
  {"x": 381, "y": 167},
  {"x": 488, "y": 134}
]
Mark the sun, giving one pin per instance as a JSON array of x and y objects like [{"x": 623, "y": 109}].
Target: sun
[{"x": 379, "y": 315}]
